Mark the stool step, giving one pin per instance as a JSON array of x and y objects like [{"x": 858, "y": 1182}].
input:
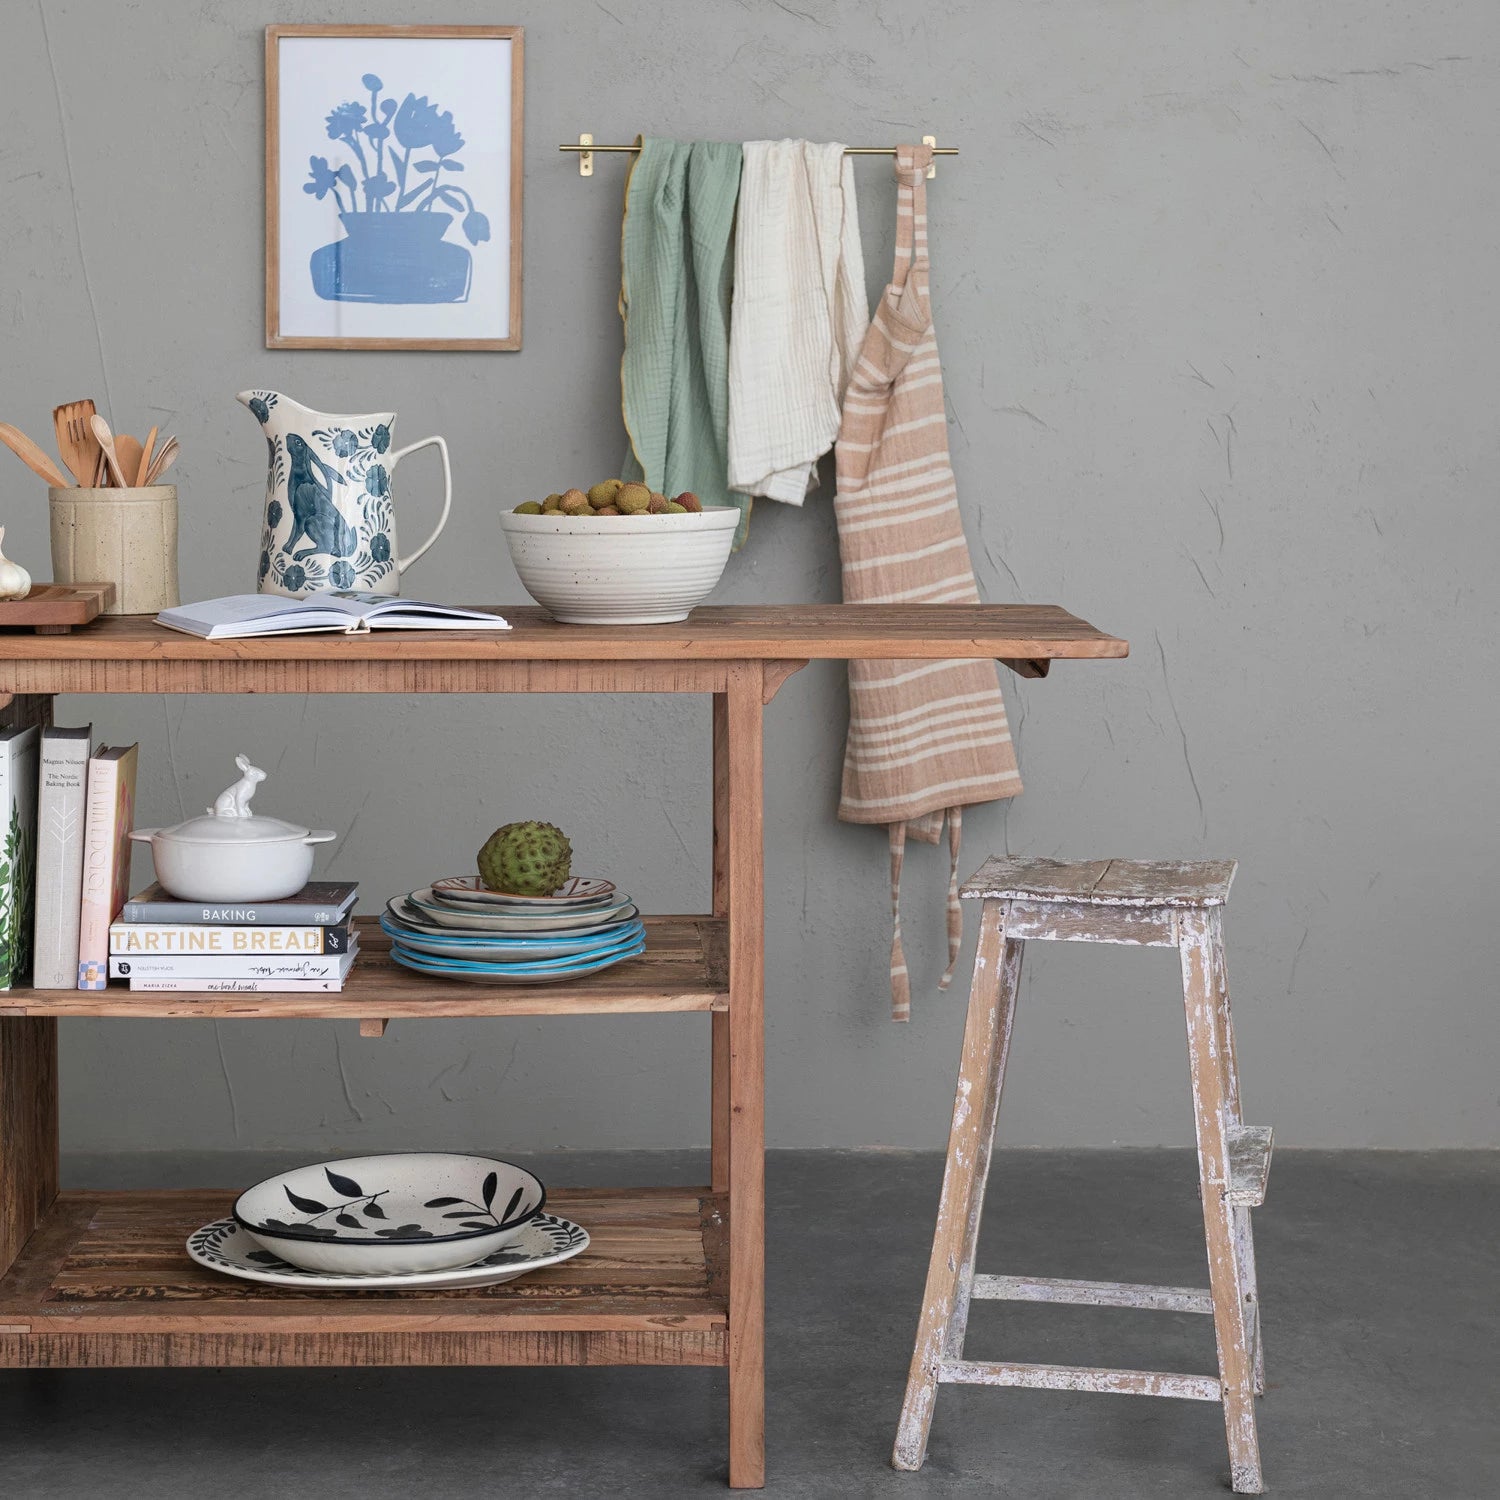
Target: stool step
[
  {"x": 1079, "y": 1378},
  {"x": 1094, "y": 1293},
  {"x": 1249, "y": 1165}
]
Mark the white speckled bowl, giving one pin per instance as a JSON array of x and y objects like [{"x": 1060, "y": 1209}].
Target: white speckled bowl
[{"x": 620, "y": 570}]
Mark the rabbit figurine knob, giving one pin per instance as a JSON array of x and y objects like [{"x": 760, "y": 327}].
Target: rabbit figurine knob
[{"x": 234, "y": 801}]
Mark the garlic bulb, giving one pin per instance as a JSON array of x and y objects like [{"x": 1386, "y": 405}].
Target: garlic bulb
[{"x": 15, "y": 581}]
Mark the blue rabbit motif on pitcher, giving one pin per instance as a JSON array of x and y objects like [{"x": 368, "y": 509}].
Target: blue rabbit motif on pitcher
[{"x": 330, "y": 519}]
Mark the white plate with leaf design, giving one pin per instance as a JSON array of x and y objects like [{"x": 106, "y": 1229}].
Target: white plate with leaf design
[
  {"x": 545, "y": 1241},
  {"x": 409, "y": 1211}
]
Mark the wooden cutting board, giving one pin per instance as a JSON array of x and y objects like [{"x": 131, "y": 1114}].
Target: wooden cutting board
[{"x": 55, "y": 608}]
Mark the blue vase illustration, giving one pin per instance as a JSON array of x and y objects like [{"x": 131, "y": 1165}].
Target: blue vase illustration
[
  {"x": 386, "y": 257},
  {"x": 402, "y": 158}
]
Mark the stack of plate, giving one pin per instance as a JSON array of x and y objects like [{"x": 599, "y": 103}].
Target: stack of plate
[{"x": 457, "y": 929}]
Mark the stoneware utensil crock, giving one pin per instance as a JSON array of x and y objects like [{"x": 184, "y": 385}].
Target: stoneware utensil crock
[
  {"x": 230, "y": 854},
  {"x": 127, "y": 537},
  {"x": 389, "y": 1215},
  {"x": 330, "y": 520}
]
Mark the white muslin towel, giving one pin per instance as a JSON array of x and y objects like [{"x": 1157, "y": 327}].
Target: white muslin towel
[{"x": 799, "y": 315}]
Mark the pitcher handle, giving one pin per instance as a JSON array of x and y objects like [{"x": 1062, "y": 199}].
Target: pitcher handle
[{"x": 403, "y": 563}]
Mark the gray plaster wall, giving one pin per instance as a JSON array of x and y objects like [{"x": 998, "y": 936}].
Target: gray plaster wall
[{"x": 1216, "y": 290}]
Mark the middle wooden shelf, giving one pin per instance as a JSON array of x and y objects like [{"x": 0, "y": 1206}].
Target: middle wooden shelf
[{"x": 684, "y": 968}]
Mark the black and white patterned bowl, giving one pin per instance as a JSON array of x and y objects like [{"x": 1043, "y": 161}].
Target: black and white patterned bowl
[{"x": 388, "y": 1215}]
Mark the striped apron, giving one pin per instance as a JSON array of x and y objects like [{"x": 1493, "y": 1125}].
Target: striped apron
[{"x": 926, "y": 738}]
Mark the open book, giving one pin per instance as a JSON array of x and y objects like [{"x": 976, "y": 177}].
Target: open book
[{"x": 350, "y": 614}]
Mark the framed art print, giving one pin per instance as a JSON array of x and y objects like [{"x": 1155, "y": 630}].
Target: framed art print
[{"x": 393, "y": 187}]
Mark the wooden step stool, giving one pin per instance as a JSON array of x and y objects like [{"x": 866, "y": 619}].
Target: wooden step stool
[{"x": 1160, "y": 904}]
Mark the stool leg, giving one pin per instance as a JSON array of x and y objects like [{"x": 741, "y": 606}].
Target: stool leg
[
  {"x": 1244, "y": 1238},
  {"x": 1199, "y": 935},
  {"x": 950, "y": 1272}
]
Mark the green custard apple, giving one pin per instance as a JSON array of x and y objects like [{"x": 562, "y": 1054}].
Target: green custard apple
[{"x": 526, "y": 859}]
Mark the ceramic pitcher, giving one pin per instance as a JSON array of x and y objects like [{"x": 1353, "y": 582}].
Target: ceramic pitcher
[{"x": 330, "y": 516}]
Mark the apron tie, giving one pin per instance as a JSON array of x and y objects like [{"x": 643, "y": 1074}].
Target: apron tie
[
  {"x": 955, "y": 907},
  {"x": 900, "y": 985}
]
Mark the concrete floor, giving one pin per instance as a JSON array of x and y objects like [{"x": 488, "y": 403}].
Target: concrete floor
[{"x": 1381, "y": 1301}]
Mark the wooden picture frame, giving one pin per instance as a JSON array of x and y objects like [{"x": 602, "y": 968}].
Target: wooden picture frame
[{"x": 391, "y": 275}]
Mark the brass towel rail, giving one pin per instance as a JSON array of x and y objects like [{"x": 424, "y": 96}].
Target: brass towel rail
[{"x": 586, "y": 148}]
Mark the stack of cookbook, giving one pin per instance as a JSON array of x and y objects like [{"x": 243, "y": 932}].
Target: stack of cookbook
[
  {"x": 305, "y": 942},
  {"x": 66, "y": 861}
]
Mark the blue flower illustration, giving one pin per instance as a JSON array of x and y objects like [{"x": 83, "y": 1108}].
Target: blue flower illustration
[
  {"x": 419, "y": 124},
  {"x": 345, "y": 120},
  {"x": 377, "y": 481},
  {"x": 259, "y": 410},
  {"x": 273, "y": 514},
  {"x": 341, "y": 575},
  {"x": 265, "y": 563},
  {"x": 294, "y": 578},
  {"x": 372, "y": 82},
  {"x": 380, "y": 547},
  {"x": 326, "y": 179},
  {"x": 345, "y": 443},
  {"x": 380, "y": 439},
  {"x": 476, "y": 226}
]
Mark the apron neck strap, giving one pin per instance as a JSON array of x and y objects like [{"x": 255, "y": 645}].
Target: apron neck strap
[{"x": 911, "y": 212}]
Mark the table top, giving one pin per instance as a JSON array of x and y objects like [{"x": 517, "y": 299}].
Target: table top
[{"x": 768, "y": 632}]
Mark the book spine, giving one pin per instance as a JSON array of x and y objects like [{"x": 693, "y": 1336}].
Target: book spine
[
  {"x": 306, "y": 914},
  {"x": 162, "y": 940},
  {"x": 236, "y": 986},
  {"x": 106, "y": 861},
  {"x": 18, "y": 855},
  {"x": 245, "y": 966},
  {"x": 59, "y": 861}
]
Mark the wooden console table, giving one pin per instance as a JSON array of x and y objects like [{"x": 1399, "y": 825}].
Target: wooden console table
[{"x": 673, "y": 1276}]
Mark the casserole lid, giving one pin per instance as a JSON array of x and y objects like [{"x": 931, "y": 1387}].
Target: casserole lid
[{"x": 215, "y": 828}]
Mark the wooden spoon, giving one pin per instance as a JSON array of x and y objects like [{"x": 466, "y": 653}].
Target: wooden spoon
[
  {"x": 75, "y": 439},
  {"x": 107, "y": 442},
  {"x": 128, "y": 450},
  {"x": 145, "y": 464},
  {"x": 166, "y": 456},
  {"x": 33, "y": 457}
]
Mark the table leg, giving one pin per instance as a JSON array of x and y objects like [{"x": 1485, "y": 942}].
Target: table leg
[
  {"x": 746, "y": 1069},
  {"x": 29, "y": 1169},
  {"x": 28, "y": 1128},
  {"x": 719, "y": 1041}
]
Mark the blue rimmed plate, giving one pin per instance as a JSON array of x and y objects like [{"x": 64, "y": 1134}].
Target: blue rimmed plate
[
  {"x": 539, "y": 973},
  {"x": 504, "y": 948}
]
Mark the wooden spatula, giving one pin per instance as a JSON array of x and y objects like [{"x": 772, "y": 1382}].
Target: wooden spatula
[
  {"x": 128, "y": 450},
  {"x": 145, "y": 464},
  {"x": 33, "y": 457},
  {"x": 75, "y": 439}
]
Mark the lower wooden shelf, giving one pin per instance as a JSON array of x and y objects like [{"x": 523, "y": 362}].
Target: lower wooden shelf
[{"x": 105, "y": 1281}]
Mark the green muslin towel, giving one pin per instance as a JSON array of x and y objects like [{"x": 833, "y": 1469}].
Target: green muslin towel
[{"x": 676, "y": 277}]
